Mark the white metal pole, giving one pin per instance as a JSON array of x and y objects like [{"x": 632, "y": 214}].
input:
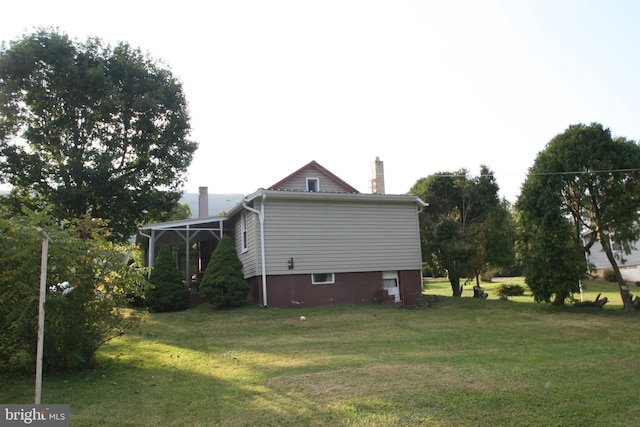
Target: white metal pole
[
  {"x": 43, "y": 294},
  {"x": 187, "y": 278}
]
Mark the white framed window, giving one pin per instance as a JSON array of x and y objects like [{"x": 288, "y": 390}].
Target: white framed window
[
  {"x": 323, "y": 278},
  {"x": 243, "y": 230},
  {"x": 390, "y": 284},
  {"x": 313, "y": 184},
  {"x": 389, "y": 279},
  {"x": 619, "y": 250}
]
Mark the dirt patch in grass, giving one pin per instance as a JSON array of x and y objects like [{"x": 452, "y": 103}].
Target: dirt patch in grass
[{"x": 391, "y": 380}]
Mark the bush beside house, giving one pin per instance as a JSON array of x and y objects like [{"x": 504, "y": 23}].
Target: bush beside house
[
  {"x": 223, "y": 283},
  {"x": 87, "y": 278},
  {"x": 167, "y": 292}
]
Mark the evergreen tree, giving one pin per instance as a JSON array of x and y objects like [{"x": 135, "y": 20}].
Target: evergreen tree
[
  {"x": 223, "y": 283},
  {"x": 167, "y": 293}
]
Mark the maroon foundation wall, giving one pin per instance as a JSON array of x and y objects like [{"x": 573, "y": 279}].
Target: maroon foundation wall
[
  {"x": 296, "y": 290},
  {"x": 410, "y": 287}
]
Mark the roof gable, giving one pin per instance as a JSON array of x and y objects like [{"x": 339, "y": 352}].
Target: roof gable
[{"x": 325, "y": 180}]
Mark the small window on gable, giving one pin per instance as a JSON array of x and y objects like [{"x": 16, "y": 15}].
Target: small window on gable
[
  {"x": 323, "y": 278},
  {"x": 313, "y": 184}
]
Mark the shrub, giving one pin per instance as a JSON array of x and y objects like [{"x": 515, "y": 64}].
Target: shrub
[
  {"x": 609, "y": 275},
  {"x": 87, "y": 279},
  {"x": 486, "y": 278},
  {"x": 167, "y": 292},
  {"x": 509, "y": 290},
  {"x": 223, "y": 283}
]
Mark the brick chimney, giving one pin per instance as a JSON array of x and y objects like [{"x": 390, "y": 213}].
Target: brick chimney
[{"x": 377, "y": 176}]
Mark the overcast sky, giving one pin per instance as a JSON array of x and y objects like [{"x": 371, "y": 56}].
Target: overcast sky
[{"x": 426, "y": 86}]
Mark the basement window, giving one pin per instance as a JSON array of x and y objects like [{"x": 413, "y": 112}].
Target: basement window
[
  {"x": 323, "y": 279},
  {"x": 390, "y": 279}
]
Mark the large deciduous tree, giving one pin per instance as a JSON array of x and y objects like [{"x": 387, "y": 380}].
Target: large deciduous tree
[
  {"x": 584, "y": 187},
  {"x": 89, "y": 128},
  {"x": 467, "y": 229}
]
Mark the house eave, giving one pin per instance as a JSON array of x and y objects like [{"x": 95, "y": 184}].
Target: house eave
[
  {"x": 328, "y": 196},
  {"x": 169, "y": 225}
]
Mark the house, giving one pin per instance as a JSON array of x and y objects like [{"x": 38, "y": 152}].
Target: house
[
  {"x": 311, "y": 239},
  {"x": 629, "y": 264}
]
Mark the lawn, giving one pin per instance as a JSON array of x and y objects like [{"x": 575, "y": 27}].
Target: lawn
[
  {"x": 590, "y": 290},
  {"x": 459, "y": 362}
]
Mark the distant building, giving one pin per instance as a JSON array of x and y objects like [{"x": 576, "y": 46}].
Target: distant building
[{"x": 629, "y": 264}]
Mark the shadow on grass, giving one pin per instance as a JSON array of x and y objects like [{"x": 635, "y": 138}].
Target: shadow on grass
[{"x": 463, "y": 361}]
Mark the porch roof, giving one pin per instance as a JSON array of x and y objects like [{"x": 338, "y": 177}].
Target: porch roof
[{"x": 178, "y": 232}]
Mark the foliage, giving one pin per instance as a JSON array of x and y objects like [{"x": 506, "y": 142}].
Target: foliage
[
  {"x": 466, "y": 230},
  {"x": 223, "y": 283},
  {"x": 584, "y": 187},
  {"x": 91, "y": 128},
  {"x": 509, "y": 289},
  {"x": 609, "y": 275},
  {"x": 167, "y": 291},
  {"x": 180, "y": 211},
  {"x": 552, "y": 261},
  {"x": 87, "y": 280}
]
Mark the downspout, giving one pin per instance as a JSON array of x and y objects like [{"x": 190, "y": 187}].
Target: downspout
[
  {"x": 422, "y": 204},
  {"x": 260, "y": 214}
]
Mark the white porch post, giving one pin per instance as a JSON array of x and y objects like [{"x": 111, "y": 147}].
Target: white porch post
[
  {"x": 152, "y": 251},
  {"x": 187, "y": 258}
]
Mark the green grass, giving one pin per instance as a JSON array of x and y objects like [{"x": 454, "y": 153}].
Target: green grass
[
  {"x": 460, "y": 362},
  {"x": 591, "y": 289}
]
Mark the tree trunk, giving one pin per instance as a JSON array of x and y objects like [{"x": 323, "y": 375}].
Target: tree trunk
[
  {"x": 627, "y": 299},
  {"x": 599, "y": 303},
  {"x": 455, "y": 285}
]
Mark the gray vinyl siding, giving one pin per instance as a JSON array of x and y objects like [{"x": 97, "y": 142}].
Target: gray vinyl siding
[
  {"x": 599, "y": 259},
  {"x": 633, "y": 258},
  {"x": 335, "y": 237},
  {"x": 299, "y": 182},
  {"x": 251, "y": 257}
]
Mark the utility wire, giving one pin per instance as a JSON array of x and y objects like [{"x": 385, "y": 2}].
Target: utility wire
[
  {"x": 586, "y": 172},
  {"x": 582, "y": 172}
]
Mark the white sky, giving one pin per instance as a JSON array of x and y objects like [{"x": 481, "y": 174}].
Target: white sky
[{"x": 427, "y": 86}]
